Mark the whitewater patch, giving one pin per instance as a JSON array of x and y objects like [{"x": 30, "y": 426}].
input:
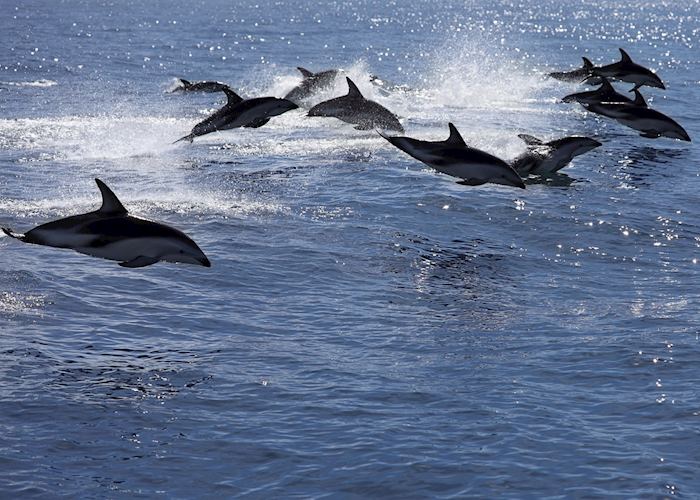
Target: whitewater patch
[{"x": 35, "y": 83}]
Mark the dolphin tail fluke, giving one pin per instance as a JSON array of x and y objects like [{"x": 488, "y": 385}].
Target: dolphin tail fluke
[
  {"x": 12, "y": 234},
  {"x": 189, "y": 138}
]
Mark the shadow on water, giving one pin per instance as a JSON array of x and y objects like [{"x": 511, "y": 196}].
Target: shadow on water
[
  {"x": 119, "y": 374},
  {"x": 463, "y": 279},
  {"x": 555, "y": 180},
  {"x": 643, "y": 164},
  {"x": 130, "y": 374}
]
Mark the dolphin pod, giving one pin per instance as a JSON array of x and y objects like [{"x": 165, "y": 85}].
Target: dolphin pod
[
  {"x": 624, "y": 70},
  {"x": 633, "y": 113},
  {"x": 453, "y": 157},
  {"x": 111, "y": 233}
]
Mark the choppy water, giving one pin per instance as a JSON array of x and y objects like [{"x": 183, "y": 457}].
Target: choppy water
[{"x": 369, "y": 328}]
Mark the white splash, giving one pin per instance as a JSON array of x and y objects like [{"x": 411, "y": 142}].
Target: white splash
[{"x": 35, "y": 83}]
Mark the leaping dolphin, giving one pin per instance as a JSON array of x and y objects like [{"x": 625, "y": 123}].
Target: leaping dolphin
[
  {"x": 627, "y": 70},
  {"x": 580, "y": 75},
  {"x": 453, "y": 157},
  {"x": 111, "y": 233},
  {"x": 239, "y": 112},
  {"x": 311, "y": 84},
  {"x": 651, "y": 123},
  {"x": 546, "y": 158},
  {"x": 354, "y": 108},
  {"x": 187, "y": 86},
  {"x": 605, "y": 93}
]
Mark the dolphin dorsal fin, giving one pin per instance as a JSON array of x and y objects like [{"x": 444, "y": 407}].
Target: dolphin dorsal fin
[
  {"x": 185, "y": 83},
  {"x": 605, "y": 84},
  {"x": 639, "y": 99},
  {"x": 110, "y": 203},
  {"x": 305, "y": 72},
  {"x": 625, "y": 56},
  {"x": 353, "y": 90},
  {"x": 232, "y": 97},
  {"x": 530, "y": 140},
  {"x": 587, "y": 64},
  {"x": 455, "y": 138}
]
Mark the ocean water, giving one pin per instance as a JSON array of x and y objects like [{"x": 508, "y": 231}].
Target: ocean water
[{"x": 369, "y": 328}]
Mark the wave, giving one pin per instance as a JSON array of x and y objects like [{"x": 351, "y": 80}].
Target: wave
[
  {"x": 35, "y": 83},
  {"x": 168, "y": 197}
]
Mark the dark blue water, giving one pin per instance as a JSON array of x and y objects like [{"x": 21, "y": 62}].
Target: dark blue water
[{"x": 369, "y": 328}]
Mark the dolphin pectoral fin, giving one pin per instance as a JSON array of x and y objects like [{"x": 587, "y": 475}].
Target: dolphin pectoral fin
[
  {"x": 12, "y": 234},
  {"x": 140, "y": 261},
  {"x": 257, "y": 123}
]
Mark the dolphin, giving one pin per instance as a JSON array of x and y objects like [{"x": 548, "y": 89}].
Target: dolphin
[
  {"x": 583, "y": 74},
  {"x": 627, "y": 70},
  {"x": 387, "y": 88},
  {"x": 239, "y": 112},
  {"x": 187, "y": 86},
  {"x": 453, "y": 157},
  {"x": 545, "y": 158},
  {"x": 354, "y": 108},
  {"x": 311, "y": 84},
  {"x": 651, "y": 123},
  {"x": 609, "y": 109},
  {"x": 605, "y": 93},
  {"x": 111, "y": 233}
]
